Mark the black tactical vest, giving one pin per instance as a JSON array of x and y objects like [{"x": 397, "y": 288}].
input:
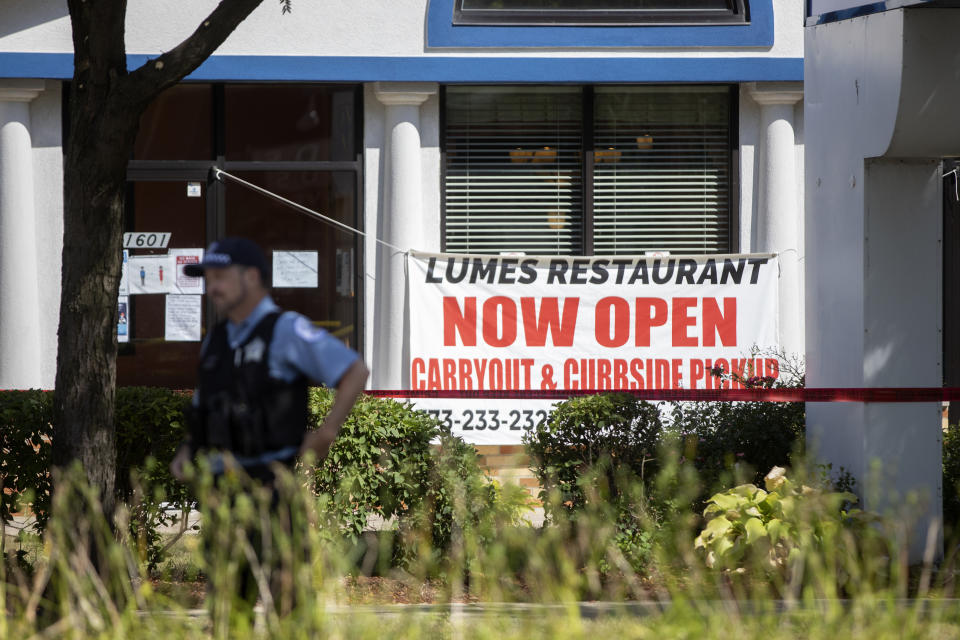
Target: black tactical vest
[{"x": 242, "y": 409}]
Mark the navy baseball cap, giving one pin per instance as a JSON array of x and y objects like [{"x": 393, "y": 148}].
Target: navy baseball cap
[{"x": 228, "y": 252}]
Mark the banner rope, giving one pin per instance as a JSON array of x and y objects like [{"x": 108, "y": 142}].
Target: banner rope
[{"x": 220, "y": 174}]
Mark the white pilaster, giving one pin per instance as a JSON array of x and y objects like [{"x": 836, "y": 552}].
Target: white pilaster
[
  {"x": 879, "y": 116},
  {"x": 20, "y": 357},
  {"x": 399, "y": 224},
  {"x": 778, "y": 202}
]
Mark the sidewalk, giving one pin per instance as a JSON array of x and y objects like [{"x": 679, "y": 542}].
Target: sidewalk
[
  {"x": 375, "y": 523},
  {"x": 18, "y": 524}
]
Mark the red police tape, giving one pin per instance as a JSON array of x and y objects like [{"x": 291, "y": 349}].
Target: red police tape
[
  {"x": 792, "y": 394},
  {"x": 876, "y": 394}
]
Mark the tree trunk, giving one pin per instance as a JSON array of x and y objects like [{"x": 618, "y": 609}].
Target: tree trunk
[
  {"x": 94, "y": 188},
  {"x": 105, "y": 106}
]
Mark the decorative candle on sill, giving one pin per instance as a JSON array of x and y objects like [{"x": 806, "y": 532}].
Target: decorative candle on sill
[
  {"x": 520, "y": 155},
  {"x": 556, "y": 220},
  {"x": 547, "y": 154},
  {"x": 609, "y": 154}
]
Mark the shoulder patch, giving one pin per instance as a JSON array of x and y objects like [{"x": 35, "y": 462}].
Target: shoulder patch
[{"x": 305, "y": 329}]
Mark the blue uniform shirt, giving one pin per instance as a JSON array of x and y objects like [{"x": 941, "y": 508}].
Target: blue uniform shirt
[{"x": 297, "y": 348}]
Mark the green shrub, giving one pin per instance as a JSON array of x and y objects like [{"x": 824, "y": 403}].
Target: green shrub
[
  {"x": 614, "y": 429},
  {"x": 26, "y": 419},
  {"x": 951, "y": 480},
  {"x": 379, "y": 465},
  {"x": 150, "y": 426},
  {"x": 382, "y": 464},
  {"x": 393, "y": 462},
  {"x": 724, "y": 440},
  {"x": 594, "y": 459}
]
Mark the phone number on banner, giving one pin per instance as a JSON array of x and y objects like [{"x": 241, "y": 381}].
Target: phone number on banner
[{"x": 487, "y": 421}]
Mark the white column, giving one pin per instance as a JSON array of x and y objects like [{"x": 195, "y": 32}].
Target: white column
[
  {"x": 778, "y": 202},
  {"x": 19, "y": 300},
  {"x": 400, "y": 224}
]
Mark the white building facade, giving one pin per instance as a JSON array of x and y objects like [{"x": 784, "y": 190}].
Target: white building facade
[
  {"x": 882, "y": 284},
  {"x": 448, "y": 125}
]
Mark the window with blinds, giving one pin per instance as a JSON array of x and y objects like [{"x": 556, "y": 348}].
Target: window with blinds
[
  {"x": 661, "y": 178},
  {"x": 587, "y": 170},
  {"x": 513, "y": 175}
]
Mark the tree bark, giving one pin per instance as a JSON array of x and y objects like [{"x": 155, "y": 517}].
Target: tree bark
[{"x": 105, "y": 105}]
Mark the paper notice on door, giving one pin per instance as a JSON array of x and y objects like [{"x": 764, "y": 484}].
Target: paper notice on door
[
  {"x": 183, "y": 318},
  {"x": 124, "y": 282},
  {"x": 181, "y": 258},
  {"x": 150, "y": 274},
  {"x": 123, "y": 319},
  {"x": 295, "y": 269}
]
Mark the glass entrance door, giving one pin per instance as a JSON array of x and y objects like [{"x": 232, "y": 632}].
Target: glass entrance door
[
  {"x": 178, "y": 207},
  {"x": 300, "y": 141}
]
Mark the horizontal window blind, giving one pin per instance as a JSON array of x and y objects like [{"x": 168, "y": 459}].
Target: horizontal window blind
[
  {"x": 579, "y": 12},
  {"x": 514, "y": 180},
  {"x": 661, "y": 176},
  {"x": 515, "y": 176}
]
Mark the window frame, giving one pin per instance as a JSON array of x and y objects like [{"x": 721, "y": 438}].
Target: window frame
[
  {"x": 738, "y": 13},
  {"x": 588, "y": 165},
  {"x": 442, "y": 33}
]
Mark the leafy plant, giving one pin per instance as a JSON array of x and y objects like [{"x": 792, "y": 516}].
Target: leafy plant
[
  {"x": 149, "y": 427},
  {"x": 774, "y": 527}
]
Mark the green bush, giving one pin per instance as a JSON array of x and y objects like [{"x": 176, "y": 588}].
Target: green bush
[
  {"x": 379, "y": 465},
  {"x": 595, "y": 458},
  {"x": 26, "y": 419},
  {"x": 951, "y": 480},
  {"x": 614, "y": 429},
  {"x": 461, "y": 512},
  {"x": 398, "y": 464},
  {"x": 727, "y": 440},
  {"x": 150, "y": 426},
  {"x": 382, "y": 464}
]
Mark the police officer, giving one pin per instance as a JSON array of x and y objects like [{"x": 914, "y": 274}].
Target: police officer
[
  {"x": 255, "y": 366},
  {"x": 250, "y": 405}
]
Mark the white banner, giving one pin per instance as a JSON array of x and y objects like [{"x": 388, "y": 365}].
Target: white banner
[{"x": 606, "y": 323}]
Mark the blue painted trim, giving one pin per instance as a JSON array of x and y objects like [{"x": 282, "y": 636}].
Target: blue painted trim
[
  {"x": 58, "y": 66},
  {"x": 859, "y": 10},
  {"x": 441, "y": 32},
  {"x": 442, "y": 69},
  {"x": 846, "y": 14}
]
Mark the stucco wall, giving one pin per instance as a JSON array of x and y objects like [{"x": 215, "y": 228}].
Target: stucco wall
[
  {"x": 323, "y": 28},
  {"x": 312, "y": 43}
]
